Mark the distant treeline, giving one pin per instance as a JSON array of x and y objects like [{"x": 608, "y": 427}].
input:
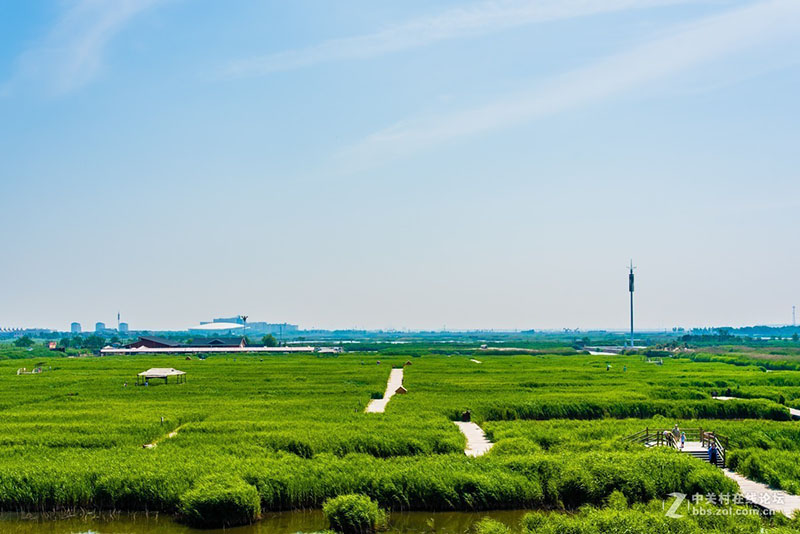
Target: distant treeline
[
  {"x": 727, "y": 332},
  {"x": 732, "y": 336}
]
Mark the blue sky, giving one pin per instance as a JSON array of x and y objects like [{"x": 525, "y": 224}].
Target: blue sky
[{"x": 399, "y": 164}]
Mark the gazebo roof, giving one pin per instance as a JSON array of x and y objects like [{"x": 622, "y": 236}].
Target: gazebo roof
[{"x": 161, "y": 372}]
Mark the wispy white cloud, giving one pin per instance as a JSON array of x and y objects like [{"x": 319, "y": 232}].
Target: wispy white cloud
[
  {"x": 477, "y": 19},
  {"x": 71, "y": 54},
  {"x": 692, "y": 45}
]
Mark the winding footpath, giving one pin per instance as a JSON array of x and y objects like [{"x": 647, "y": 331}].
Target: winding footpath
[
  {"x": 168, "y": 436},
  {"x": 477, "y": 444},
  {"x": 763, "y": 496},
  {"x": 759, "y": 494},
  {"x": 395, "y": 381},
  {"x": 793, "y": 412}
]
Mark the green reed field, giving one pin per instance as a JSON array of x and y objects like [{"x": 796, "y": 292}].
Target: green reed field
[{"x": 286, "y": 432}]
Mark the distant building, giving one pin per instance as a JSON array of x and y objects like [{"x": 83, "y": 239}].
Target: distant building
[
  {"x": 160, "y": 345},
  {"x": 218, "y": 328},
  {"x": 123, "y": 328},
  {"x": 75, "y": 328},
  {"x": 234, "y": 325},
  {"x": 255, "y": 327},
  {"x": 276, "y": 329},
  {"x": 100, "y": 327},
  {"x": 149, "y": 342},
  {"x": 229, "y": 342},
  {"x": 237, "y": 320}
]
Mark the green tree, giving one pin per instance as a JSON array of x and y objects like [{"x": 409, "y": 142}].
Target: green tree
[
  {"x": 94, "y": 342},
  {"x": 24, "y": 342},
  {"x": 795, "y": 337},
  {"x": 269, "y": 341}
]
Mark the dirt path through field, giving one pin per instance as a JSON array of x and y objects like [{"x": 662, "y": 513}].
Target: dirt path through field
[
  {"x": 793, "y": 412},
  {"x": 168, "y": 436},
  {"x": 395, "y": 381},
  {"x": 761, "y": 495},
  {"x": 477, "y": 444}
]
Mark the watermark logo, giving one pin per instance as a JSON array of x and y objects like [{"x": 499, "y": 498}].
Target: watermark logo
[
  {"x": 679, "y": 498},
  {"x": 723, "y": 503}
]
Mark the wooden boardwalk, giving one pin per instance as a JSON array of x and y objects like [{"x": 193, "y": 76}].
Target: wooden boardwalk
[
  {"x": 477, "y": 444},
  {"x": 752, "y": 492},
  {"x": 394, "y": 382}
]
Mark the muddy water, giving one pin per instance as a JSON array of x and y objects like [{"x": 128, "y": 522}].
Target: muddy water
[{"x": 272, "y": 523}]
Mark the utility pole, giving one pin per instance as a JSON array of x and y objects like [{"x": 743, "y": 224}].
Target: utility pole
[
  {"x": 794, "y": 320},
  {"x": 630, "y": 288}
]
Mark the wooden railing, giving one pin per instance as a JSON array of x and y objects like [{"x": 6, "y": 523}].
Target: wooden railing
[
  {"x": 720, "y": 442},
  {"x": 663, "y": 437}
]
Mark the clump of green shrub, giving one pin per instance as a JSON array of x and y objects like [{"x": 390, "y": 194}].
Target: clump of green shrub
[
  {"x": 617, "y": 501},
  {"x": 353, "y": 514},
  {"x": 516, "y": 445},
  {"x": 614, "y": 408},
  {"x": 220, "y": 502},
  {"x": 490, "y": 526},
  {"x": 644, "y": 519}
]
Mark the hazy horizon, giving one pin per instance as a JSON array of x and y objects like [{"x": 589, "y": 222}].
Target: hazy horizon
[
  {"x": 480, "y": 164},
  {"x": 88, "y": 326}
]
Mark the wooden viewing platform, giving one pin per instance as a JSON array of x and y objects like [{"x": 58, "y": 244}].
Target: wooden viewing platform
[
  {"x": 754, "y": 493},
  {"x": 697, "y": 442}
]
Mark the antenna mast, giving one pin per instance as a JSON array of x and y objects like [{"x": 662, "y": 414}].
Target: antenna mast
[
  {"x": 630, "y": 288},
  {"x": 244, "y": 325}
]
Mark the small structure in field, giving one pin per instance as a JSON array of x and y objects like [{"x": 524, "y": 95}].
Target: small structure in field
[
  {"x": 401, "y": 390},
  {"x": 161, "y": 372}
]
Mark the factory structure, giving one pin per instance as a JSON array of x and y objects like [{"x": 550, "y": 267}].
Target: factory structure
[
  {"x": 240, "y": 325},
  {"x": 100, "y": 328},
  {"x": 220, "y": 326}
]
